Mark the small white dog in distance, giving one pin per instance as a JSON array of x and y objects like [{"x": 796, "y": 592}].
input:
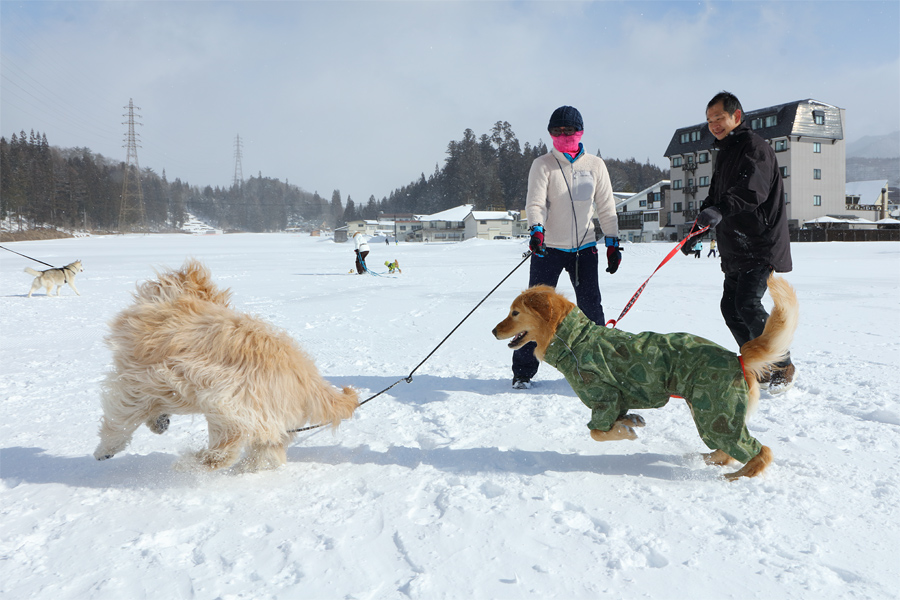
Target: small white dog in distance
[
  {"x": 55, "y": 277},
  {"x": 180, "y": 348}
]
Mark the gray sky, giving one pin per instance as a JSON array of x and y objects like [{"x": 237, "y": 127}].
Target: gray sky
[{"x": 365, "y": 96}]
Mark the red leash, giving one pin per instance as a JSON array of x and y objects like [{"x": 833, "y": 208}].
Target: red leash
[{"x": 692, "y": 233}]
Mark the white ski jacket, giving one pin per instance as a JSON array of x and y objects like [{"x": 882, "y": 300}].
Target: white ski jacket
[{"x": 565, "y": 196}]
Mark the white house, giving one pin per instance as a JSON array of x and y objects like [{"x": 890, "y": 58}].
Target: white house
[
  {"x": 643, "y": 217},
  {"x": 445, "y": 226},
  {"x": 487, "y": 224}
]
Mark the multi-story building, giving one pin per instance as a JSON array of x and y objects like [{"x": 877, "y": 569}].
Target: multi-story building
[{"x": 808, "y": 139}]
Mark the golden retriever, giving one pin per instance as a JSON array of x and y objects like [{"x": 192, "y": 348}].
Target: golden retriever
[
  {"x": 180, "y": 348},
  {"x": 613, "y": 371}
]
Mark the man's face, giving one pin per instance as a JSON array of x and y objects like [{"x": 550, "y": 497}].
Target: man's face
[{"x": 720, "y": 122}]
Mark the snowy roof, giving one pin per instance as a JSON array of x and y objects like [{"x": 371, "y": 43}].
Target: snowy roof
[
  {"x": 491, "y": 215},
  {"x": 451, "y": 214},
  {"x": 868, "y": 191},
  {"x": 643, "y": 192}
]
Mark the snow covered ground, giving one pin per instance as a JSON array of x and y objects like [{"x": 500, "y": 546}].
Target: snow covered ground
[{"x": 453, "y": 485}]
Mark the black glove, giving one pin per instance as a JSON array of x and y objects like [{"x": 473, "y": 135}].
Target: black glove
[
  {"x": 613, "y": 254},
  {"x": 537, "y": 239},
  {"x": 688, "y": 247},
  {"x": 709, "y": 217}
]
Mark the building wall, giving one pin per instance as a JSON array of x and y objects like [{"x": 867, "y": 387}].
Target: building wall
[
  {"x": 486, "y": 229},
  {"x": 801, "y": 186}
]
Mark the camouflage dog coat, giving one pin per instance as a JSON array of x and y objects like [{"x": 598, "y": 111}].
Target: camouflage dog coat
[{"x": 613, "y": 371}]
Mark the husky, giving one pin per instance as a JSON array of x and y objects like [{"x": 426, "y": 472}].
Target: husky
[{"x": 55, "y": 277}]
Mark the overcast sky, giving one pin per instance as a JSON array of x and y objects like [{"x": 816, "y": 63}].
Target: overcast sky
[{"x": 365, "y": 96}]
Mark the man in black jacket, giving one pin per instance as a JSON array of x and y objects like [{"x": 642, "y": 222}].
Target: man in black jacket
[{"x": 746, "y": 207}]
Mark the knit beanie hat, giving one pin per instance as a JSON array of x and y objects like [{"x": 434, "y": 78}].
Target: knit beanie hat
[{"x": 566, "y": 116}]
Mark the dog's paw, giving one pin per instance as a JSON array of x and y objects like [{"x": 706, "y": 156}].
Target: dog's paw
[
  {"x": 158, "y": 425},
  {"x": 102, "y": 454},
  {"x": 718, "y": 458},
  {"x": 634, "y": 420},
  {"x": 619, "y": 431}
]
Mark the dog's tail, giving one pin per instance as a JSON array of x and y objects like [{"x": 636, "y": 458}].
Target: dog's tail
[
  {"x": 339, "y": 405},
  {"x": 761, "y": 353},
  {"x": 32, "y": 272}
]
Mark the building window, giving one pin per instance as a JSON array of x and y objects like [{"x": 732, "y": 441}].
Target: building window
[
  {"x": 703, "y": 158},
  {"x": 642, "y": 203},
  {"x": 756, "y": 124},
  {"x": 786, "y": 199},
  {"x": 690, "y": 205},
  {"x": 817, "y": 147},
  {"x": 817, "y": 200},
  {"x": 676, "y": 184},
  {"x": 771, "y": 120},
  {"x": 704, "y": 181},
  {"x": 676, "y": 207},
  {"x": 651, "y": 216},
  {"x": 819, "y": 117},
  {"x": 784, "y": 172},
  {"x": 817, "y": 173},
  {"x": 690, "y": 182},
  {"x": 676, "y": 162},
  {"x": 695, "y": 136},
  {"x": 685, "y": 137},
  {"x": 780, "y": 145}
]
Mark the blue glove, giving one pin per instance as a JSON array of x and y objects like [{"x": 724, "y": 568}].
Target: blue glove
[
  {"x": 537, "y": 239},
  {"x": 613, "y": 254},
  {"x": 709, "y": 217}
]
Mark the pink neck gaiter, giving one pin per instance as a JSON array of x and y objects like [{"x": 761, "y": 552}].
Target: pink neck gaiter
[{"x": 567, "y": 143}]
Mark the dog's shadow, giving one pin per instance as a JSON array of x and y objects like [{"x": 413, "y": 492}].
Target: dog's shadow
[
  {"x": 129, "y": 471},
  {"x": 470, "y": 461},
  {"x": 155, "y": 470}
]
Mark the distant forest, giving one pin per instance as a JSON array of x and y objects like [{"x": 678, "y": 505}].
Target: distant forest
[{"x": 42, "y": 185}]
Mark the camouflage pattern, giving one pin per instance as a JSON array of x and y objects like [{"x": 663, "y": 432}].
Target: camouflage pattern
[{"x": 613, "y": 371}]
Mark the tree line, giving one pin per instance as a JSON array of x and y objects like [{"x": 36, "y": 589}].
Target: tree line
[{"x": 75, "y": 188}]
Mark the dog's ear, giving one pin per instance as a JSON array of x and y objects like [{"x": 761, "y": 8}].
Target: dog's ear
[{"x": 537, "y": 299}]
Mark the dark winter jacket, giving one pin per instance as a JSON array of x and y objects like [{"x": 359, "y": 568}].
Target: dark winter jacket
[
  {"x": 747, "y": 189},
  {"x": 613, "y": 371}
]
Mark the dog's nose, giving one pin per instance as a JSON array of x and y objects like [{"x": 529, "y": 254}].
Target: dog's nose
[{"x": 494, "y": 331}]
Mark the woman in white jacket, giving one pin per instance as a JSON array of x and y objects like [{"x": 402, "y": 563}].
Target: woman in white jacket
[
  {"x": 362, "y": 250},
  {"x": 567, "y": 190}
]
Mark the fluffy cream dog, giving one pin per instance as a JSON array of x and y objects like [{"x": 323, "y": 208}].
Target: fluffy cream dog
[
  {"x": 181, "y": 349},
  {"x": 55, "y": 277}
]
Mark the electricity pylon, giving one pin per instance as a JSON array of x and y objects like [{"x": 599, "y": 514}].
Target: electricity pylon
[
  {"x": 238, "y": 169},
  {"x": 131, "y": 210}
]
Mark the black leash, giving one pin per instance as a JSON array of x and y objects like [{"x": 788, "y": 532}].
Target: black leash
[
  {"x": 30, "y": 258},
  {"x": 409, "y": 378}
]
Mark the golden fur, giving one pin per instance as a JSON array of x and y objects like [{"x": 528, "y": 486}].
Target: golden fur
[
  {"x": 180, "y": 348},
  {"x": 537, "y": 312},
  {"x": 55, "y": 277}
]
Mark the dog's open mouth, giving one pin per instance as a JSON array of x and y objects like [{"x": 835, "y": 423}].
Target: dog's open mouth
[{"x": 518, "y": 338}]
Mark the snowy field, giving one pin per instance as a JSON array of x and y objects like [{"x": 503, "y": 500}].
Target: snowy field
[{"x": 453, "y": 485}]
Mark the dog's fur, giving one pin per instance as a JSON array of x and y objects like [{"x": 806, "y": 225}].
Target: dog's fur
[
  {"x": 182, "y": 349},
  {"x": 537, "y": 312},
  {"x": 55, "y": 277}
]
